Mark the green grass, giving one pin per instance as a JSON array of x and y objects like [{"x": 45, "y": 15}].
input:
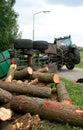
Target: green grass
[
  {"x": 80, "y": 65},
  {"x": 75, "y": 91}
]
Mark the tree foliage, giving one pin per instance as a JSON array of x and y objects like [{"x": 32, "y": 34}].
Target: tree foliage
[{"x": 8, "y": 23}]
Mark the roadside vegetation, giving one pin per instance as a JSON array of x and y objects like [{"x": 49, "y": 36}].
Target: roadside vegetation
[{"x": 80, "y": 65}]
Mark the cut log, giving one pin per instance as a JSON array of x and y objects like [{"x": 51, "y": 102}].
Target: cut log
[
  {"x": 5, "y": 96},
  {"x": 23, "y": 73},
  {"x": 48, "y": 109},
  {"x": 24, "y": 122},
  {"x": 42, "y": 70},
  {"x": 26, "y": 89},
  {"x": 45, "y": 77},
  {"x": 63, "y": 95},
  {"x": 19, "y": 82},
  {"x": 5, "y": 114},
  {"x": 33, "y": 82},
  {"x": 11, "y": 71}
]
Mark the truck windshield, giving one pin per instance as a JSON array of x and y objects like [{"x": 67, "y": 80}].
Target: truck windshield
[{"x": 63, "y": 42}]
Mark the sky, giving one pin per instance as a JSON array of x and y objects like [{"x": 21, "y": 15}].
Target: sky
[{"x": 65, "y": 18}]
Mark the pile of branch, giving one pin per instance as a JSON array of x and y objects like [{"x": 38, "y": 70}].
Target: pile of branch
[{"x": 25, "y": 122}]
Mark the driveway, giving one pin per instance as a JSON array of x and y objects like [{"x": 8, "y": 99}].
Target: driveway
[{"x": 73, "y": 75}]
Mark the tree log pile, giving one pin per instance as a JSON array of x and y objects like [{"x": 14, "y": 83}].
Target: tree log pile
[{"x": 28, "y": 92}]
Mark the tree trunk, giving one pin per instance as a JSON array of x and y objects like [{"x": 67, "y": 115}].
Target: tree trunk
[
  {"x": 48, "y": 109},
  {"x": 63, "y": 95},
  {"x": 24, "y": 122},
  {"x": 26, "y": 89},
  {"x": 5, "y": 96},
  {"x": 45, "y": 77},
  {"x": 42, "y": 70},
  {"x": 23, "y": 73},
  {"x": 10, "y": 74},
  {"x": 5, "y": 114}
]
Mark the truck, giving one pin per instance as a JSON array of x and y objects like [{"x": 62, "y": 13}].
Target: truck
[{"x": 61, "y": 52}]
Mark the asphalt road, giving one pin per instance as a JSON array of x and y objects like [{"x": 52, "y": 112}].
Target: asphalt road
[{"x": 73, "y": 75}]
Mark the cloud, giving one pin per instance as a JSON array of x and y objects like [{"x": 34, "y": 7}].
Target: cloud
[
  {"x": 66, "y": 2},
  {"x": 61, "y": 21}
]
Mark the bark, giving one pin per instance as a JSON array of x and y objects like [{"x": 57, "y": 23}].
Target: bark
[
  {"x": 23, "y": 73},
  {"x": 45, "y": 77},
  {"x": 10, "y": 74},
  {"x": 48, "y": 109},
  {"x": 5, "y": 114},
  {"x": 63, "y": 95},
  {"x": 5, "y": 96},
  {"x": 24, "y": 122},
  {"x": 34, "y": 90}
]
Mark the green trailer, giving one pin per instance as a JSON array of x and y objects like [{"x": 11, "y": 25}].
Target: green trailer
[{"x": 4, "y": 62}]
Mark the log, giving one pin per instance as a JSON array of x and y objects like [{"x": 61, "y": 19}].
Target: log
[
  {"x": 24, "y": 122},
  {"x": 5, "y": 114},
  {"x": 10, "y": 74},
  {"x": 48, "y": 109},
  {"x": 35, "y": 81},
  {"x": 34, "y": 90},
  {"x": 63, "y": 95},
  {"x": 43, "y": 70},
  {"x": 23, "y": 73},
  {"x": 45, "y": 77},
  {"x": 5, "y": 96}
]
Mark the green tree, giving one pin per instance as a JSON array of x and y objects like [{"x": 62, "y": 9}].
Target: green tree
[{"x": 8, "y": 24}]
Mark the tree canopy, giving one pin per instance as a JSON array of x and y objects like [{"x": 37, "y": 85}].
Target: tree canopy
[{"x": 8, "y": 24}]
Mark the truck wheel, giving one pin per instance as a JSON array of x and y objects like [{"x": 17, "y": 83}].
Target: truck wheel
[
  {"x": 23, "y": 44},
  {"x": 76, "y": 56},
  {"x": 40, "y": 45},
  {"x": 70, "y": 65}
]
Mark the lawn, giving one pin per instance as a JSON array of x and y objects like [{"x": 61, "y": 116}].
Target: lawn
[{"x": 80, "y": 65}]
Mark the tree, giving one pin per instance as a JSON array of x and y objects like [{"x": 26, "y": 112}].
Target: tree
[{"x": 8, "y": 24}]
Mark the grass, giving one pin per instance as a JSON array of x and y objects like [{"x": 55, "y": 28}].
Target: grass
[
  {"x": 80, "y": 65},
  {"x": 75, "y": 91}
]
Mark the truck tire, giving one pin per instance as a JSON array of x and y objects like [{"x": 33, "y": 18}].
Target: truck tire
[
  {"x": 76, "y": 56},
  {"x": 40, "y": 45},
  {"x": 70, "y": 65},
  {"x": 23, "y": 44}
]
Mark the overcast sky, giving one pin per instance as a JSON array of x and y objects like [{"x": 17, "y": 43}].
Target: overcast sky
[{"x": 66, "y": 17}]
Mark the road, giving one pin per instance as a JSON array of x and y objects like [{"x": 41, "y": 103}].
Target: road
[{"x": 73, "y": 75}]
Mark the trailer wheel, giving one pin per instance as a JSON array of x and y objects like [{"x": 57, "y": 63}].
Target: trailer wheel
[
  {"x": 23, "y": 44},
  {"x": 40, "y": 45}
]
